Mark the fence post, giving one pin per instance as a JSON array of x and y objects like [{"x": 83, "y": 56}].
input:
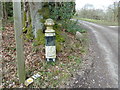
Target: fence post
[
  {"x": 18, "y": 39},
  {"x": 1, "y": 28}
]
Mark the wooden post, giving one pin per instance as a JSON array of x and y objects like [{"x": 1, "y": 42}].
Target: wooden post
[
  {"x": 1, "y": 18},
  {"x": 19, "y": 43}
]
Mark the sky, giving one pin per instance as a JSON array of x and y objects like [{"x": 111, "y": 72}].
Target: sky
[{"x": 98, "y": 4}]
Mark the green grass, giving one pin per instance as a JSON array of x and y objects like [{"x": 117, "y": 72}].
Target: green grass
[
  {"x": 102, "y": 22},
  {"x": 53, "y": 74},
  {"x": 57, "y": 74}
]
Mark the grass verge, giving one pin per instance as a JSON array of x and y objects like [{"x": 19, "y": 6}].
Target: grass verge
[
  {"x": 55, "y": 74},
  {"x": 102, "y": 22}
]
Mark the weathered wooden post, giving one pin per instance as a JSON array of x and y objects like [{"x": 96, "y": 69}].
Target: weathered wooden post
[
  {"x": 19, "y": 43},
  {"x": 1, "y": 17},
  {"x": 50, "y": 48}
]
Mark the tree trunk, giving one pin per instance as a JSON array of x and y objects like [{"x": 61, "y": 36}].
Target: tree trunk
[
  {"x": 114, "y": 12},
  {"x": 5, "y": 11},
  {"x": 26, "y": 15},
  {"x": 35, "y": 16},
  {"x": 119, "y": 14},
  {"x": 1, "y": 13},
  {"x": 19, "y": 43}
]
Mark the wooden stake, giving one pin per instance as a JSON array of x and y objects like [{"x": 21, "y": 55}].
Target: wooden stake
[
  {"x": 19, "y": 43},
  {"x": 1, "y": 27}
]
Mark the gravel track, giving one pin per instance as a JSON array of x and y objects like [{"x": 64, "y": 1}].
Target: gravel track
[{"x": 104, "y": 48}]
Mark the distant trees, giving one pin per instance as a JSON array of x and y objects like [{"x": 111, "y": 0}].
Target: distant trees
[
  {"x": 88, "y": 11},
  {"x": 88, "y": 6},
  {"x": 119, "y": 12},
  {"x": 91, "y": 13},
  {"x": 112, "y": 12}
]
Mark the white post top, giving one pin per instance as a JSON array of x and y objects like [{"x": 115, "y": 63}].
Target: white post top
[{"x": 49, "y": 22}]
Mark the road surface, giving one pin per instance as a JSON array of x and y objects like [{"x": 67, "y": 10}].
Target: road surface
[{"x": 104, "y": 39}]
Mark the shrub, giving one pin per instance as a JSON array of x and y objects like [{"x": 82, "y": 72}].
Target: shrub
[{"x": 72, "y": 26}]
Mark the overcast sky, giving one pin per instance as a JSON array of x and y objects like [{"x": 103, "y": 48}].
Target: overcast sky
[{"x": 101, "y": 4}]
